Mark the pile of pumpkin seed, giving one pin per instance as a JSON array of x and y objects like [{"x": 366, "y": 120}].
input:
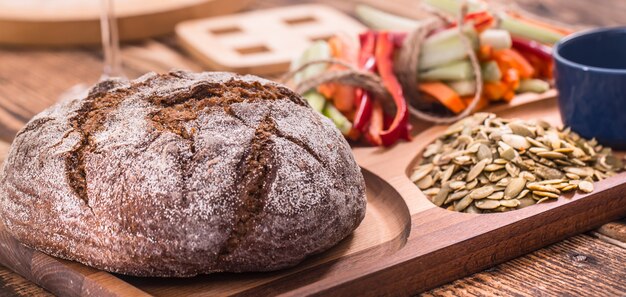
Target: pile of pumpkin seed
[{"x": 485, "y": 164}]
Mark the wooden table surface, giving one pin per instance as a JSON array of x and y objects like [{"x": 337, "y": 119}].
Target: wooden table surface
[{"x": 592, "y": 264}]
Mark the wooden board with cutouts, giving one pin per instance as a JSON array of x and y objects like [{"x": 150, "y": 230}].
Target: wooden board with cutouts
[
  {"x": 262, "y": 41},
  {"x": 77, "y": 22}
]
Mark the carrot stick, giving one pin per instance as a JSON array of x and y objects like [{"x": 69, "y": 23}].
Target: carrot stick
[
  {"x": 482, "y": 102},
  {"x": 446, "y": 95},
  {"x": 513, "y": 59},
  {"x": 341, "y": 95}
]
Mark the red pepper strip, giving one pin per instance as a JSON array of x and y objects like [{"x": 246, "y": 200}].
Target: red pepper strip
[
  {"x": 482, "y": 20},
  {"x": 384, "y": 58},
  {"x": 533, "y": 47},
  {"x": 376, "y": 124},
  {"x": 539, "y": 55},
  {"x": 363, "y": 99}
]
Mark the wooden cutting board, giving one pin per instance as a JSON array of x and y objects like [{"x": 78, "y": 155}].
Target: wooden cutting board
[
  {"x": 404, "y": 245},
  {"x": 262, "y": 41},
  {"x": 74, "y": 22}
]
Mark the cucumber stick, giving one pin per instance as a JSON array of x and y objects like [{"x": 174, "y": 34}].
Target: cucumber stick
[
  {"x": 316, "y": 100},
  {"x": 463, "y": 87},
  {"x": 491, "y": 72},
  {"x": 342, "y": 123},
  {"x": 319, "y": 50},
  {"x": 452, "y": 7},
  {"x": 497, "y": 39},
  {"x": 460, "y": 70},
  {"x": 527, "y": 30},
  {"x": 446, "y": 47},
  {"x": 533, "y": 86},
  {"x": 381, "y": 20}
]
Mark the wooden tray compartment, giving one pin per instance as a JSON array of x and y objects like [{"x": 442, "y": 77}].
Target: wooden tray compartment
[{"x": 405, "y": 244}]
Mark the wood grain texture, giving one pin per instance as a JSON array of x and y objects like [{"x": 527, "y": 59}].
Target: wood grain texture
[{"x": 573, "y": 267}]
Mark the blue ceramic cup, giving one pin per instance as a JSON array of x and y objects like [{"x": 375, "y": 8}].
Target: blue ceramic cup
[{"x": 591, "y": 80}]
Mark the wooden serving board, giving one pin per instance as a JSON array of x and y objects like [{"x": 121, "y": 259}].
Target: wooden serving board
[
  {"x": 262, "y": 41},
  {"x": 405, "y": 244},
  {"x": 76, "y": 22}
]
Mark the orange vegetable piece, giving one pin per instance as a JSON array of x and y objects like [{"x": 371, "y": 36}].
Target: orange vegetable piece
[
  {"x": 446, "y": 95},
  {"x": 342, "y": 96},
  {"x": 482, "y": 102},
  {"x": 376, "y": 125},
  {"x": 485, "y": 52},
  {"x": 510, "y": 58},
  {"x": 494, "y": 91}
]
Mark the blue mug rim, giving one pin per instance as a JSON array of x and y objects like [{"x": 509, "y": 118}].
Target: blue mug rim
[{"x": 563, "y": 42}]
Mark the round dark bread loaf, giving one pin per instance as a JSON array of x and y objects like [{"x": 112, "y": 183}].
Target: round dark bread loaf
[{"x": 181, "y": 174}]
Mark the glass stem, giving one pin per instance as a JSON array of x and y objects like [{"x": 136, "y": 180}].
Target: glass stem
[{"x": 110, "y": 41}]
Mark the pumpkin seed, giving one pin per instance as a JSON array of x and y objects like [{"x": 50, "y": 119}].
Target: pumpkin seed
[
  {"x": 484, "y": 152},
  {"x": 524, "y": 202},
  {"x": 569, "y": 188},
  {"x": 521, "y": 129},
  {"x": 477, "y": 169},
  {"x": 456, "y": 196},
  {"x": 472, "y": 209},
  {"x": 546, "y": 194},
  {"x": 493, "y": 167},
  {"x": 543, "y": 188},
  {"x": 509, "y": 154},
  {"x": 421, "y": 172},
  {"x": 425, "y": 183},
  {"x": 463, "y": 203},
  {"x": 551, "y": 155},
  {"x": 514, "y": 187},
  {"x": 515, "y": 141},
  {"x": 487, "y": 204},
  {"x": 456, "y": 185},
  {"x": 510, "y": 203},
  {"x": 481, "y": 192},
  {"x": 585, "y": 186},
  {"x": 431, "y": 191},
  {"x": 496, "y": 196},
  {"x": 523, "y": 194},
  {"x": 471, "y": 185},
  {"x": 441, "y": 196}
]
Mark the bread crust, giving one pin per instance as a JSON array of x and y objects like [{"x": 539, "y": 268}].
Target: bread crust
[{"x": 181, "y": 174}]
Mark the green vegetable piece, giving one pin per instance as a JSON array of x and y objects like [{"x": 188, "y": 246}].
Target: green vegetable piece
[
  {"x": 342, "y": 123},
  {"x": 316, "y": 100},
  {"x": 461, "y": 70},
  {"x": 533, "y": 86},
  {"x": 491, "y": 72}
]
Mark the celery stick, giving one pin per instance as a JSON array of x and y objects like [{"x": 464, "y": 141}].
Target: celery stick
[
  {"x": 316, "y": 100},
  {"x": 497, "y": 39},
  {"x": 460, "y": 70},
  {"x": 342, "y": 123},
  {"x": 381, "y": 20},
  {"x": 463, "y": 87},
  {"x": 452, "y": 6},
  {"x": 527, "y": 30},
  {"x": 491, "y": 72},
  {"x": 319, "y": 50},
  {"x": 533, "y": 86},
  {"x": 446, "y": 47}
]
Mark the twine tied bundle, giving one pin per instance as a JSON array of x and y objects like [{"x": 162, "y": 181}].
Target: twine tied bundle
[{"x": 405, "y": 66}]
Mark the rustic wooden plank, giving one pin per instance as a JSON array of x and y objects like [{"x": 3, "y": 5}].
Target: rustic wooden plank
[
  {"x": 14, "y": 285},
  {"x": 573, "y": 267}
]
